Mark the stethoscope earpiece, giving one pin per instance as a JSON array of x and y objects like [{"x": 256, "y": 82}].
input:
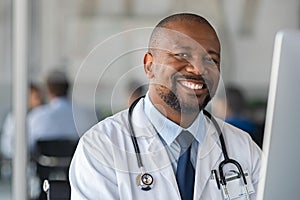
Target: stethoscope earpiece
[{"x": 145, "y": 181}]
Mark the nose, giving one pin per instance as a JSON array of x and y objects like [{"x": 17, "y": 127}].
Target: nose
[{"x": 196, "y": 67}]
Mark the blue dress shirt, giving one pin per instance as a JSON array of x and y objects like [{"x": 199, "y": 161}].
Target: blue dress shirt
[
  {"x": 168, "y": 132},
  {"x": 55, "y": 121}
]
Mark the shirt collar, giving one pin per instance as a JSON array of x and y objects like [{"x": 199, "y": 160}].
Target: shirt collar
[
  {"x": 57, "y": 100},
  {"x": 169, "y": 130}
]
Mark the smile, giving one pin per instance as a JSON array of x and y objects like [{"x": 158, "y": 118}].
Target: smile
[{"x": 192, "y": 85}]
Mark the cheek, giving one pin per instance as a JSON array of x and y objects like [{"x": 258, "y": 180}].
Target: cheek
[
  {"x": 165, "y": 68},
  {"x": 162, "y": 72},
  {"x": 215, "y": 77}
]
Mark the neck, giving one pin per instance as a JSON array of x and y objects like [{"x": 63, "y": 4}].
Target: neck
[{"x": 182, "y": 119}]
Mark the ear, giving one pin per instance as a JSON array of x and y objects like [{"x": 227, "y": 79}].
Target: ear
[{"x": 148, "y": 65}]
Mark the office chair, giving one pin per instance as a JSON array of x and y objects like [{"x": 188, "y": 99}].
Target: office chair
[
  {"x": 57, "y": 190},
  {"x": 53, "y": 156},
  {"x": 52, "y": 159}
]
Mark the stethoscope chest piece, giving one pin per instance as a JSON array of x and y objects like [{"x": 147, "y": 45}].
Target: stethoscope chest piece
[{"x": 145, "y": 181}]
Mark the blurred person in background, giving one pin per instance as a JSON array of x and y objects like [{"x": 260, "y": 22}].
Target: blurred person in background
[
  {"x": 7, "y": 137},
  {"x": 55, "y": 120},
  {"x": 232, "y": 107}
]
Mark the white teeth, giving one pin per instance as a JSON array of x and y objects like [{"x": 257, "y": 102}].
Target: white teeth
[{"x": 193, "y": 86}]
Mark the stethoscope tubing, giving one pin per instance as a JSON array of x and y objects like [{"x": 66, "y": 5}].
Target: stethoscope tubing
[
  {"x": 226, "y": 160},
  {"x": 132, "y": 134}
]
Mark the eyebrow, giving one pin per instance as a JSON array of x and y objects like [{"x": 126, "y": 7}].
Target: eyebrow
[
  {"x": 211, "y": 52},
  {"x": 214, "y": 53},
  {"x": 183, "y": 47}
]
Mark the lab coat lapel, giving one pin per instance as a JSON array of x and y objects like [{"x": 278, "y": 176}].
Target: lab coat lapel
[
  {"x": 209, "y": 153},
  {"x": 141, "y": 125},
  {"x": 164, "y": 166},
  {"x": 153, "y": 153},
  {"x": 159, "y": 162}
]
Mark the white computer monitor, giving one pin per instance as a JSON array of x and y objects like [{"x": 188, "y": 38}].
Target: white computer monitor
[{"x": 281, "y": 162}]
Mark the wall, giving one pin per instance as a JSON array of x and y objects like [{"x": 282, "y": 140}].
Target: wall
[
  {"x": 246, "y": 28},
  {"x": 65, "y": 32}
]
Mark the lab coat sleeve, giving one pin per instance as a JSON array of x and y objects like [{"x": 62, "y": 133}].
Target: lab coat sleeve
[
  {"x": 256, "y": 166},
  {"x": 91, "y": 171}
]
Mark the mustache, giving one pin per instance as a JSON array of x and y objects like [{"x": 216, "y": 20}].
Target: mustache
[{"x": 190, "y": 77}]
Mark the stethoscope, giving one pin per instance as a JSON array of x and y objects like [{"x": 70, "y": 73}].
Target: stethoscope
[{"x": 145, "y": 180}]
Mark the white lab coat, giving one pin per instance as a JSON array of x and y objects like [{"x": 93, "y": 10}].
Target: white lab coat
[{"x": 105, "y": 167}]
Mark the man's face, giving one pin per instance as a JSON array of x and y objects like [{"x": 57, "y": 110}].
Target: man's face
[{"x": 183, "y": 66}]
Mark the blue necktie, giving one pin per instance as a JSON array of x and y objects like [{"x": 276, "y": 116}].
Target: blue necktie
[{"x": 185, "y": 175}]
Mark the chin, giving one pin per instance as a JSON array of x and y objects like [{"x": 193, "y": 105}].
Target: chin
[{"x": 190, "y": 107}]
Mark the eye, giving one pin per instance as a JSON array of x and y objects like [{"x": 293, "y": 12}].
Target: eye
[
  {"x": 183, "y": 55},
  {"x": 209, "y": 59}
]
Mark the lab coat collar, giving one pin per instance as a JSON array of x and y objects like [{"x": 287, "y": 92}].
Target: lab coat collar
[
  {"x": 157, "y": 159},
  {"x": 141, "y": 125},
  {"x": 169, "y": 130},
  {"x": 143, "y": 128},
  {"x": 208, "y": 154}
]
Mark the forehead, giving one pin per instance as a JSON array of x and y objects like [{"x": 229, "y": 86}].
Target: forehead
[{"x": 193, "y": 35}]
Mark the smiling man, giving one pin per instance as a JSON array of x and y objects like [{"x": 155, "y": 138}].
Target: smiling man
[
  {"x": 184, "y": 68},
  {"x": 166, "y": 146}
]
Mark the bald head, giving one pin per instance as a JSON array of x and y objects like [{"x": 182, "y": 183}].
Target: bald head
[
  {"x": 182, "y": 17},
  {"x": 166, "y": 22}
]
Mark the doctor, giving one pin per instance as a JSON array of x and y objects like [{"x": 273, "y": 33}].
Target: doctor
[{"x": 179, "y": 146}]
